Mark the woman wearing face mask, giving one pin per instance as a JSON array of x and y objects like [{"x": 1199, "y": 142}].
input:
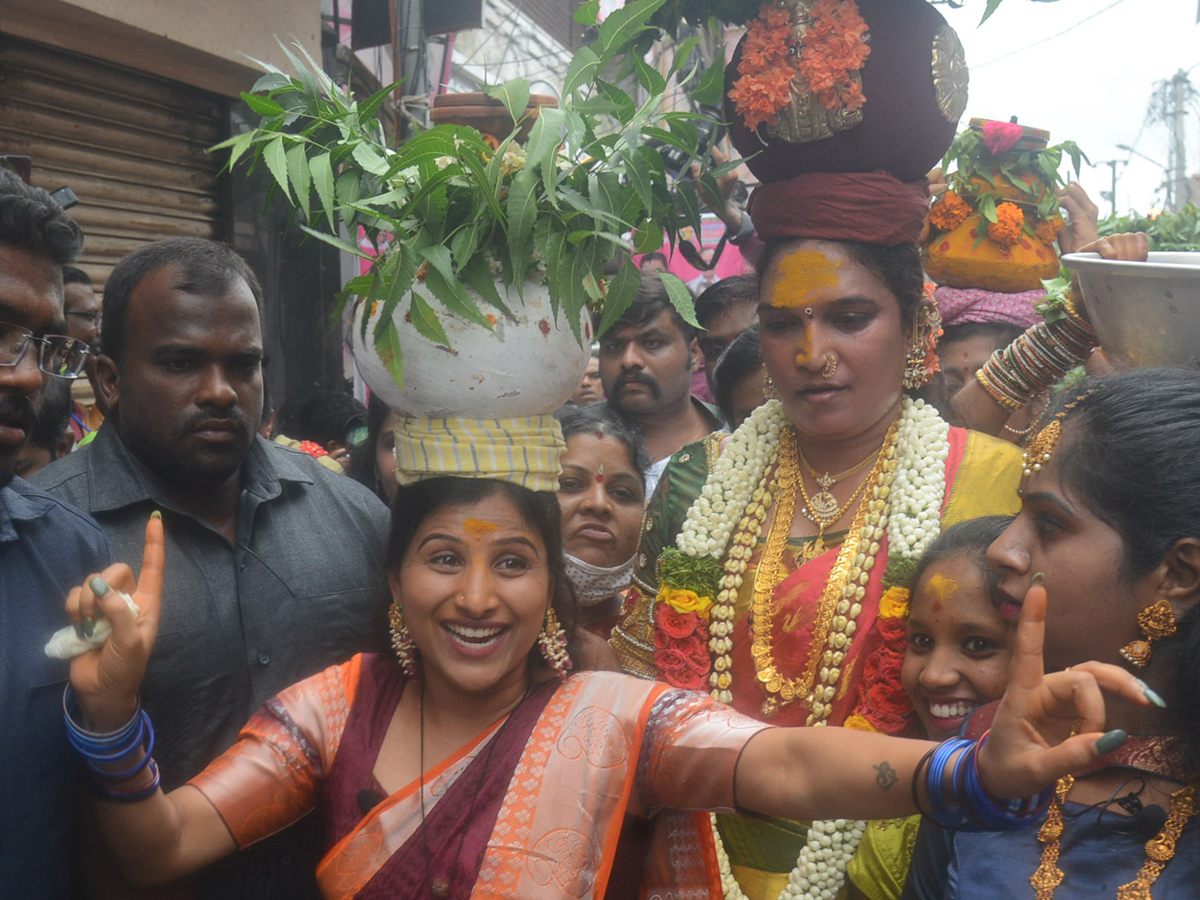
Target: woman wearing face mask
[
  {"x": 1110, "y": 521},
  {"x": 601, "y": 493}
]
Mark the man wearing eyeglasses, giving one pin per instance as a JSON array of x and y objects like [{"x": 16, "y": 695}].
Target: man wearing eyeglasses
[
  {"x": 274, "y": 565},
  {"x": 46, "y": 548},
  {"x": 81, "y": 307}
]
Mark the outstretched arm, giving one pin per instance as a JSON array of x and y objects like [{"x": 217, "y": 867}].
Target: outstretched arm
[
  {"x": 822, "y": 773},
  {"x": 162, "y": 837}
]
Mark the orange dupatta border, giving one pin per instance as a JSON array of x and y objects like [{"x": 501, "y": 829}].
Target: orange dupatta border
[{"x": 355, "y": 859}]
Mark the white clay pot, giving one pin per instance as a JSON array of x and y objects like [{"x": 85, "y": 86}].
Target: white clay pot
[{"x": 526, "y": 367}]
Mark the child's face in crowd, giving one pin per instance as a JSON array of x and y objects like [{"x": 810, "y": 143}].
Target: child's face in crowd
[{"x": 958, "y": 646}]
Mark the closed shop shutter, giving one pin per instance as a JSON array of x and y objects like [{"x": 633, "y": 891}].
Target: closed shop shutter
[{"x": 131, "y": 146}]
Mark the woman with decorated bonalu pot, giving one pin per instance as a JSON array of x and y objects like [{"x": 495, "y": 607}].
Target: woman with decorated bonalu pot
[
  {"x": 1110, "y": 521},
  {"x": 764, "y": 555},
  {"x": 472, "y": 763}
]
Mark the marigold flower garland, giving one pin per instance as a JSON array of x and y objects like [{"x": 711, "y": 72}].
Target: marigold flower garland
[
  {"x": 1009, "y": 225},
  {"x": 833, "y": 50},
  {"x": 905, "y": 504}
]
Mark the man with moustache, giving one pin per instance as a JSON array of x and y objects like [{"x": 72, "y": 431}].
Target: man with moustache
[
  {"x": 274, "y": 566},
  {"x": 46, "y": 548},
  {"x": 647, "y": 359}
]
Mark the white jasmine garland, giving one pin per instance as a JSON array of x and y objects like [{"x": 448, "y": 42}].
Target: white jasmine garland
[
  {"x": 919, "y": 486},
  {"x": 909, "y": 510}
]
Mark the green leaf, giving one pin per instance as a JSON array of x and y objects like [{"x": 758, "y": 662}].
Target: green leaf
[
  {"x": 584, "y": 67},
  {"x": 387, "y": 345},
  {"x": 333, "y": 241},
  {"x": 263, "y": 106},
  {"x": 237, "y": 145},
  {"x": 271, "y": 81},
  {"x": 513, "y": 94},
  {"x": 423, "y": 318},
  {"x": 623, "y": 25},
  {"x": 987, "y": 208},
  {"x": 276, "y": 159},
  {"x": 370, "y": 159},
  {"x": 322, "y": 176},
  {"x": 648, "y": 76},
  {"x": 298, "y": 173},
  {"x": 622, "y": 104},
  {"x": 588, "y": 12},
  {"x": 372, "y": 103},
  {"x": 711, "y": 88},
  {"x": 681, "y": 298},
  {"x": 522, "y": 213},
  {"x": 992, "y": 6},
  {"x": 440, "y": 278},
  {"x": 478, "y": 276},
  {"x": 622, "y": 291}
]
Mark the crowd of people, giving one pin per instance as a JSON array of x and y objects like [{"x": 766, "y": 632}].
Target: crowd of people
[{"x": 866, "y": 587}]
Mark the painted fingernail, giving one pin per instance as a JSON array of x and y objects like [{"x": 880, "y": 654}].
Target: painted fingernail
[
  {"x": 156, "y": 515},
  {"x": 79, "y": 632},
  {"x": 1038, "y": 578},
  {"x": 98, "y": 586},
  {"x": 1152, "y": 695},
  {"x": 89, "y": 625},
  {"x": 1109, "y": 742}
]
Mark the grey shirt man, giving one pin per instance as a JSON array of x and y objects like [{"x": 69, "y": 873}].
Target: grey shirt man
[{"x": 303, "y": 589}]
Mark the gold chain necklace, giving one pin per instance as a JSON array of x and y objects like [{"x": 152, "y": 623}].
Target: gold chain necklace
[
  {"x": 1160, "y": 849},
  {"x": 782, "y": 690},
  {"x": 823, "y": 504}
]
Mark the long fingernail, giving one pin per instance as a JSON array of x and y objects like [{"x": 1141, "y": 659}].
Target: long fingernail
[
  {"x": 88, "y": 625},
  {"x": 1152, "y": 695},
  {"x": 156, "y": 515},
  {"x": 1109, "y": 742},
  {"x": 1038, "y": 578},
  {"x": 98, "y": 585},
  {"x": 79, "y": 631}
]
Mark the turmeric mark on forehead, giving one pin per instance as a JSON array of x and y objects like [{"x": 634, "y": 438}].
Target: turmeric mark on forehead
[
  {"x": 477, "y": 528},
  {"x": 801, "y": 274},
  {"x": 944, "y": 588}
]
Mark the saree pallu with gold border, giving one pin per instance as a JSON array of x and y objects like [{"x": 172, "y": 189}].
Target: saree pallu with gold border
[
  {"x": 982, "y": 474},
  {"x": 531, "y": 809}
]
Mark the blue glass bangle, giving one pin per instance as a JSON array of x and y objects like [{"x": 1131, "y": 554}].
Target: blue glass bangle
[
  {"x": 118, "y": 777},
  {"x": 132, "y": 796},
  {"x": 959, "y": 800},
  {"x": 99, "y": 750}
]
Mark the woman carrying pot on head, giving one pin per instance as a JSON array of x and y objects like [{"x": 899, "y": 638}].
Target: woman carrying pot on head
[
  {"x": 471, "y": 764},
  {"x": 1110, "y": 521},
  {"x": 760, "y": 574},
  {"x": 602, "y": 493}
]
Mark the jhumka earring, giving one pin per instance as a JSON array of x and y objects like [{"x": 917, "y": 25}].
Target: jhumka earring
[
  {"x": 831, "y": 364},
  {"x": 769, "y": 389},
  {"x": 402, "y": 643},
  {"x": 1155, "y": 622},
  {"x": 921, "y": 362},
  {"x": 553, "y": 643}
]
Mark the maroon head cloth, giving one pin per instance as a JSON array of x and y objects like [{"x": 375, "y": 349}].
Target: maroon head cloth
[{"x": 874, "y": 207}]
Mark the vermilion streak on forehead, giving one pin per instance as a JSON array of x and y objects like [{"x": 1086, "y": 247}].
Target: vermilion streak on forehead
[
  {"x": 477, "y": 528},
  {"x": 800, "y": 275}
]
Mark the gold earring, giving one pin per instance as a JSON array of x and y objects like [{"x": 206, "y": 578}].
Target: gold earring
[
  {"x": 552, "y": 641},
  {"x": 1155, "y": 622},
  {"x": 831, "y": 364},
  {"x": 921, "y": 362},
  {"x": 402, "y": 643}
]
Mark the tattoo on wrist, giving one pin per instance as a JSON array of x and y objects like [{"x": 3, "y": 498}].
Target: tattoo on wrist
[{"x": 885, "y": 775}]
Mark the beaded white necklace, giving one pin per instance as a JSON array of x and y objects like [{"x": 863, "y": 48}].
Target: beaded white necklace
[{"x": 909, "y": 509}]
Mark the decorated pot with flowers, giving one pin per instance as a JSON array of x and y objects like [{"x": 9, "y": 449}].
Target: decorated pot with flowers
[{"x": 995, "y": 225}]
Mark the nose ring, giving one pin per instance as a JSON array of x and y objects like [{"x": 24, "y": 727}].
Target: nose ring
[{"x": 831, "y": 364}]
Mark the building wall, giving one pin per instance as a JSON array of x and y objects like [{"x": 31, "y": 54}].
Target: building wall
[{"x": 203, "y": 43}]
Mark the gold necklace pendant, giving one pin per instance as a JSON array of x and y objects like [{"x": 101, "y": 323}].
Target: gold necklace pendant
[{"x": 823, "y": 506}]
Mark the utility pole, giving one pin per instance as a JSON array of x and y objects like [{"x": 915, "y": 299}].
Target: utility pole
[
  {"x": 1111, "y": 195},
  {"x": 1180, "y": 89}
]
